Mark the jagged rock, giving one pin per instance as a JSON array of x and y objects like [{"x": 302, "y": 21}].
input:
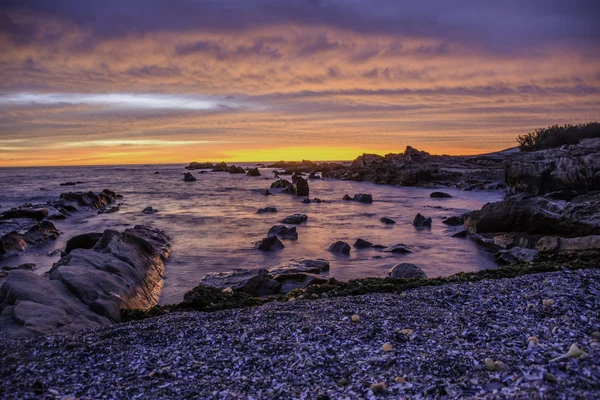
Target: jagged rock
[
  {"x": 539, "y": 215},
  {"x": 253, "y": 172},
  {"x": 255, "y": 282},
  {"x": 575, "y": 167},
  {"x": 149, "y": 210},
  {"x": 340, "y": 247},
  {"x": 266, "y": 210},
  {"x": 517, "y": 254},
  {"x": 398, "y": 248},
  {"x": 269, "y": 243},
  {"x": 282, "y": 184},
  {"x": 233, "y": 169},
  {"x": 387, "y": 220},
  {"x": 440, "y": 195},
  {"x": 420, "y": 220},
  {"x": 197, "y": 165},
  {"x": 284, "y": 232},
  {"x": 221, "y": 167},
  {"x": 300, "y": 186},
  {"x": 187, "y": 177},
  {"x": 84, "y": 241},
  {"x": 362, "y": 244},
  {"x": 87, "y": 287},
  {"x": 406, "y": 271},
  {"x": 360, "y": 197},
  {"x": 294, "y": 219},
  {"x": 15, "y": 242},
  {"x": 454, "y": 221}
]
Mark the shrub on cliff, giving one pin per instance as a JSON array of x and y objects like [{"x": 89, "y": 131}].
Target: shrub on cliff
[{"x": 556, "y": 136}]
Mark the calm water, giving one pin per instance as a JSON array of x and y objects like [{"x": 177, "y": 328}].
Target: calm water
[{"x": 213, "y": 222}]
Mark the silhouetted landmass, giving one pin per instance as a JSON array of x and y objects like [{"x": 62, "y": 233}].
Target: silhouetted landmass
[{"x": 557, "y": 136}]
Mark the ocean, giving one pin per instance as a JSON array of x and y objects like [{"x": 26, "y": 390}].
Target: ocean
[{"x": 213, "y": 222}]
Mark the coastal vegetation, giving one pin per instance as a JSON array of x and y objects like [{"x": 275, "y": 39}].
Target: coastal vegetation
[{"x": 557, "y": 136}]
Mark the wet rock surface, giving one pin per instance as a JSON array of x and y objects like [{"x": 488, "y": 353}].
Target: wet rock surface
[
  {"x": 439, "y": 338},
  {"x": 256, "y": 282},
  {"x": 270, "y": 243},
  {"x": 284, "y": 232},
  {"x": 406, "y": 271},
  {"x": 340, "y": 247},
  {"x": 294, "y": 219},
  {"x": 88, "y": 286}
]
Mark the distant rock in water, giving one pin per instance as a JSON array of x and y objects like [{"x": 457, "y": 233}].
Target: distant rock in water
[
  {"x": 340, "y": 248},
  {"x": 197, "y": 165},
  {"x": 88, "y": 287},
  {"x": 149, "y": 210},
  {"x": 255, "y": 282},
  {"x": 266, "y": 210},
  {"x": 266, "y": 192},
  {"x": 406, "y": 271},
  {"x": 221, "y": 167},
  {"x": 387, "y": 220},
  {"x": 313, "y": 175},
  {"x": 233, "y": 169},
  {"x": 440, "y": 195},
  {"x": 420, "y": 220},
  {"x": 294, "y": 219},
  {"x": 284, "y": 232},
  {"x": 398, "y": 248},
  {"x": 70, "y": 183},
  {"x": 454, "y": 221},
  {"x": 187, "y": 177},
  {"x": 253, "y": 172},
  {"x": 282, "y": 184},
  {"x": 300, "y": 186},
  {"x": 270, "y": 243},
  {"x": 360, "y": 197},
  {"x": 362, "y": 244},
  {"x": 315, "y": 200}
]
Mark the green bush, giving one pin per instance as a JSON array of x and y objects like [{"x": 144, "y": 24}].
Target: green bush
[{"x": 557, "y": 136}]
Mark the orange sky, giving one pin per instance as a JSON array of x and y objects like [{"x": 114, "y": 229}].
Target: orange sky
[{"x": 275, "y": 92}]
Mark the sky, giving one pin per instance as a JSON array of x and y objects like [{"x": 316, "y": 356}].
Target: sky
[{"x": 141, "y": 81}]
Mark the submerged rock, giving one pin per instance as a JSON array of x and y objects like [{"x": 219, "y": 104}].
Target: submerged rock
[
  {"x": 255, "y": 282},
  {"x": 270, "y": 243},
  {"x": 421, "y": 220},
  {"x": 440, "y": 195},
  {"x": 149, "y": 210},
  {"x": 294, "y": 219},
  {"x": 406, "y": 271},
  {"x": 398, "y": 248},
  {"x": 266, "y": 210},
  {"x": 360, "y": 197},
  {"x": 387, "y": 220},
  {"x": 362, "y": 244},
  {"x": 284, "y": 232},
  {"x": 187, "y": 177},
  {"x": 340, "y": 247}
]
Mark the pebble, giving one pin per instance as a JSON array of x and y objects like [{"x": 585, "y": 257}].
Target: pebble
[
  {"x": 386, "y": 347},
  {"x": 355, "y": 318},
  {"x": 489, "y": 364}
]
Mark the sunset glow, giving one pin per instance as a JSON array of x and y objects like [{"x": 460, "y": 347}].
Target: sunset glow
[{"x": 95, "y": 83}]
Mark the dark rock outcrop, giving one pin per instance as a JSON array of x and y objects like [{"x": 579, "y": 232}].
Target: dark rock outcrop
[
  {"x": 266, "y": 210},
  {"x": 387, "y": 220},
  {"x": 37, "y": 214},
  {"x": 300, "y": 186},
  {"x": 84, "y": 241},
  {"x": 149, "y": 210},
  {"x": 294, "y": 219},
  {"x": 301, "y": 266},
  {"x": 188, "y": 177},
  {"x": 197, "y": 165},
  {"x": 421, "y": 220},
  {"x": 406, "y": 271},
  {"x": 233, "y": 169},
  {"x": 440, "y": 195},
  {"x": 454, "y": 221},
  {"x": 340, "y": 247},
  {"x": 269, "y": 243},
  {"x": 575, "y": 167},
  {"x": 15, "y": 242},
  {"x": 253, "y": 172},
  {"x": 284, "y": 232},
  {"x": 517, "y": 254},
  {"x": 398, "y": 248},
  {"x": 256, "y": 282},
  {"x": 362, "y": 244},
  {"x": 578, "y": 245},
  {"x": 282, "y": 184},
  {"x": 87, "y": 287}
]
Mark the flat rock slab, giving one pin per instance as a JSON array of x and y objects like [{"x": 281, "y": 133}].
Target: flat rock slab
[{"x": 256, "y": 282}]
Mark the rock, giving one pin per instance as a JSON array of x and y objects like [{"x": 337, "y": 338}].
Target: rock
[
  {"x": 398, "y": 248},
  {"x": 266, "y": 192},
  {"x": 387, "y": 220},
  {"x": 269, "y": 243},
  {"x": 459, "y": 233},
  {"x": 282, "y": 184},
  {"x": 70, "y": 183},
  {"x": 302, "y": 266},
  {"x": 517, "y": 254},
  {"x": 84, "y": 241},
  {"x": 197, "y": 165},
  {"x": 266, "y": 210},
  {"x": 313, "y": 175},
  {"x": 253, "y": 172},
  {"x": 294, "y": 219},
  {"x": 362, "y": 244},
  {"x": 233, "y": 169},
  {"x": 79, "y": 201},
  {"x": 526, "y": 214},
  {"x": 454, "y": 221},
  {"x": 300, "y": 187},
  {"x": 566, "y": 195},
  {"x": 581, "y": 244},
  {"x": 149, "y": 210},
  {"x": 108, "y": 210},
  {"x": 88, "y": 287},
  {"x": 187, "y": 177},
  {"x": 576, "y": 167},
  {"x": 440, "y": 195},
  {"x": 290, "y": 281},
  {"x": 420, "y": 220},
  {"x": 37, "y": 214},
  {"x": 15, "y": 242},
  {"x": 360, "y": 197},
  {"x": 255, "y": 282},
  {"x": 221, "y": 167},
  {"x": 340, "y": 248},
  {"x": 406, "y": 271},
  {"x": 284, "y": 232}
]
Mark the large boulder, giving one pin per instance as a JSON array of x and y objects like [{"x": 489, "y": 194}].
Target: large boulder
[
  {"x": 284, "y": 232},
  {"x": 362, "y": 244},
  {"x": 304, "y": 266},
  {"x": 253, "y": 172},
  {"x": 300, "y": 186},
  {"x": 269, "y": 243},
  {"x": 37, "y": 214},
  {"x": 188, "y": 177},
  {"x": 575, "y": 167},
  {"x": 454, "y": 221},
  {"x": 539, "y": 215},
  {"x": 282, "y": 184},
  {"x": 233, "y": 169},
  {"x": 89, "y": 286},
  {"x": 340, "y": 247},
  {"x": 255, "y": 282},
  {"x": 406, "y": 271},
  {"x": 421, "y": 221},
  {"x": 15, "y": 242},
  {"x": 581, "y": 244}
]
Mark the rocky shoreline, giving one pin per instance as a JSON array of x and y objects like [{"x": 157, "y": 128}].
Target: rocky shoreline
[{"x": 429, "y": 342}]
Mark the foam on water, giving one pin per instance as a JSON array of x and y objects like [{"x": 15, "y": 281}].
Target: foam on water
[{"x": 213, "y": 222}]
